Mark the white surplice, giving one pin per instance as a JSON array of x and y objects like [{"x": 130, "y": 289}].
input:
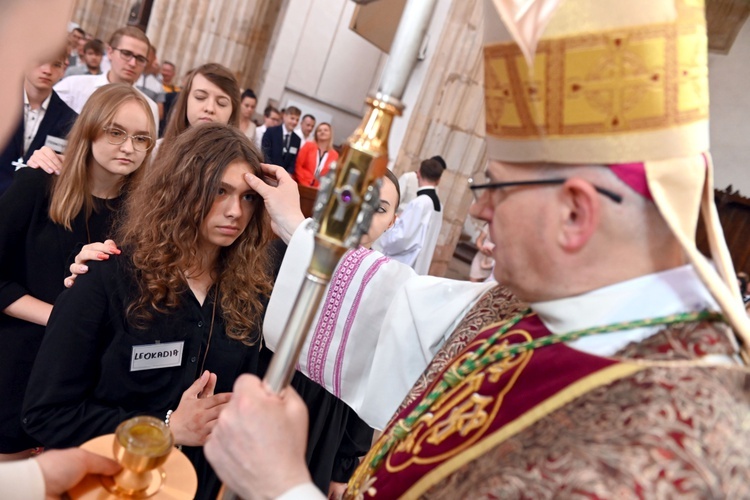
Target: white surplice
[
  {"x": 408, "y": 186},
  {"x": 414, "y": 235},
  {"x": 379, "y": 326},
  {"x": 21, "y": 480}
]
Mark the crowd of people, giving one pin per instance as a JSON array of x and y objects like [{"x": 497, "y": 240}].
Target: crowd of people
[
  {"x": 139, "y": 216},
  {"x": 166, "y": 216}
]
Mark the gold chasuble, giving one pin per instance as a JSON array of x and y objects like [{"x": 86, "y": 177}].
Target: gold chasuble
[
  {"x": 520, "y": 414},
  {"x": 557, "y": 422}
]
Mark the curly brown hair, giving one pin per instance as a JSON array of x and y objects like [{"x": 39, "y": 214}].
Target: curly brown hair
[{"x": 161, "y": 230}]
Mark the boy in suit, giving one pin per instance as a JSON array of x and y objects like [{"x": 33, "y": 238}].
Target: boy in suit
[
  {"x": 280, "y": 143},
  {"x": 46, "y": 119}
]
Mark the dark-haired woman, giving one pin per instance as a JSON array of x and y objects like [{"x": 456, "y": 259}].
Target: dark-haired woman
[{"x": 248, "y": 102}]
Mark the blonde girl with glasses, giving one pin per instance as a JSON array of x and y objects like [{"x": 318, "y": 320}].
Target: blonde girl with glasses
[{"x": 44, "y": 220}]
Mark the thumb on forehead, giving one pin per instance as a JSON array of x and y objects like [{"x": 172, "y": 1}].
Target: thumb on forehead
[{"x": 257, "y": 184}]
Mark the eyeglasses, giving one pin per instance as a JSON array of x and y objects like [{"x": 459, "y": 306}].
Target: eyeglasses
[
  {"x": 128, "y": 56},
  {"x": 538, "y": 182},
  {"x": 116, "y": 136}
]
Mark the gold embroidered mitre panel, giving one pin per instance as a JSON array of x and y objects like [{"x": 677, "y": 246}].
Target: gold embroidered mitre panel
[{"x": 610, "y": 82}]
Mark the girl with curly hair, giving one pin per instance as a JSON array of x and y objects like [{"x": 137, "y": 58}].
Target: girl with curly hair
[
  {"x": 211, "y": 95},
  {"x": 44, "y": 218},
  {"x": 166, "y": 327}
]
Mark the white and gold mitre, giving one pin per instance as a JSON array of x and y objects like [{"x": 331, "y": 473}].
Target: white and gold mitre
[
  {"x": 616, "y": 83},
  {"x": 596, "y": 81}
]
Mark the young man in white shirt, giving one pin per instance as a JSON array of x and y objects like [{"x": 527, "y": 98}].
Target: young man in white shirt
[
  {"x": 271, "y": 118},
  {"x": 305, "y": 129},
  {"x": 128, "y": 54},
  {"x": 413, "y": 237},
  {"x": 93, "y": 52}
]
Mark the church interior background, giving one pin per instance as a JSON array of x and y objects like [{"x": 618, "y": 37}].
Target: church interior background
[{"x": 325, "y": 56}]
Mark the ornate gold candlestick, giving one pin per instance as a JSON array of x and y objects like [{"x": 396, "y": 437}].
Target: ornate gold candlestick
[{"x": 349, "y": 193}]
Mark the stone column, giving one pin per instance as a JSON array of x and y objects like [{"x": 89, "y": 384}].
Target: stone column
[
  {"x": 235, "y": 33},
  {"x": 448, "y": 120},
  {"x": 101, "y": 17}
]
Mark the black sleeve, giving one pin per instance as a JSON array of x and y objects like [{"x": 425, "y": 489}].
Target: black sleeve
[
  {"x": 355, "y": 443},
  {"x": 25, "y": 196},
  {"x": 265, "y": 144},
  {"x": 276, "y": 251},
  {"x": 59, "y": 408},
  {"x": 69, "y": 119}
]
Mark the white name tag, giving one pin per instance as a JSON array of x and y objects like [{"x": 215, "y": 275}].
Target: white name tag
[
  {"x": 292, "y": 151},
  {"x": 151, "y": 356},
  {"x": 56, "y": 143}
]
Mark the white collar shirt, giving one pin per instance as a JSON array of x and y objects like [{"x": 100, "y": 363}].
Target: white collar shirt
[
  {"x": 76, "y": 90},
  {"x": 31, "y": 119},
  {"x": 674, "y": 291}
]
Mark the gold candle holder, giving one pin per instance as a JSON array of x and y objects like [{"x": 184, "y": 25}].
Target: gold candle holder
[{"x": 141, "y": 446}]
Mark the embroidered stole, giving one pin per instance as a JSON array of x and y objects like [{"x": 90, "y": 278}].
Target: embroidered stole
[{"x": 486, "y": 408}]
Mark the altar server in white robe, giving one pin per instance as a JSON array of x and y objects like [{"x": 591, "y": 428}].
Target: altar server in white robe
[
  {"x": 408, "y": 184},
  {"x": 413, "y": 238}
]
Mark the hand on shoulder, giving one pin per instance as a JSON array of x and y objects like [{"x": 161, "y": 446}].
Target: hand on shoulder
[{"x": 46, "y": 159}]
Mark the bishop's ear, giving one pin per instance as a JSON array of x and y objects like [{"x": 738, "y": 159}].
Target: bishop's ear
[{"x": 579, "y": 213}]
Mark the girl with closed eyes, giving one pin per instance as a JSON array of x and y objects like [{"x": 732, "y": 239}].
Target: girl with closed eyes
[{"x": 211, "y": 94}]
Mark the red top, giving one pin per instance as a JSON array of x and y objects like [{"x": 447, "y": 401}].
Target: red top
[{"x": 307, "y": 161}]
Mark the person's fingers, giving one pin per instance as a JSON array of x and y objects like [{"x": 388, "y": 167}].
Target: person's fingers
[
  {"x": 210, "y": 426},
  {"x": 274, "y": 171},
  {"x": 46, "y": 159},
  {"x": 69, "y": 281},
  {"x": 211, "y": 414},
  {"x": 63, "y": 469},
  {"x": 217, "y": 399},
  {"x": 195, "y": 389},
  {"x": 293, "y": 400},
  {"x": 112, "y": 247},
  {"x": 44, "y": 164},
  {"x": 275, "y": 175},
  {"x": 208, "y": 390},
  {"x": 88, "y": 254},
  {"x": 97, "y": 464},
  {"x": 257, "y": 185},
  {"x": 90, "y": 251},
  {"x": 76, "y": 269},
  {"x": 247, "y": 383},
  {"x": 93, "y": 251}
]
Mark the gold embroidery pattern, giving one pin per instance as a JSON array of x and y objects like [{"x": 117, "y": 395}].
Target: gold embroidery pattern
[
  {"x": 494, "y": 306},
  {"x": 664, "y": 432},
  {"x": 462, "y": 410},
  {"x": 639, "y": 79}
]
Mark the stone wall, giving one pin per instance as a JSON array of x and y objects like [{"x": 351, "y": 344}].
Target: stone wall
[
  {"x": 448, "y": 119},
  {"x": 235, "y": 33},
  {"x": 101, "y": 17}
]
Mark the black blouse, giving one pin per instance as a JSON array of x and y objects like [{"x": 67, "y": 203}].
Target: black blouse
[
  {"x": 86, "y": 379},
  {"x": 35, "y": 255}
]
